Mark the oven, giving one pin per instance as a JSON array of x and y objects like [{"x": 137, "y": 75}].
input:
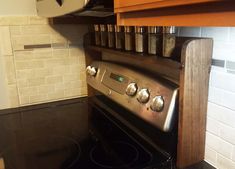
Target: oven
[
  {"x": 133, "y": 118},
  {"x": 130, "y": 122}
]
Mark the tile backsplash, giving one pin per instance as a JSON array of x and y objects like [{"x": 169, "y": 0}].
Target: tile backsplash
[
  {"x": 220, "y": 136},
  {"x": 42, "y": 62}
]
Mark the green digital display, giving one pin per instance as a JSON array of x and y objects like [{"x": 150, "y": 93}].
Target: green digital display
[{"x": 117, "y": 77}]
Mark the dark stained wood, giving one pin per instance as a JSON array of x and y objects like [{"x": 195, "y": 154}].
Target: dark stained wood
[
  {"x": 194, "y": 81},
  {"x": 217, "y": 13},
  {"x": 191, "y": 73}
]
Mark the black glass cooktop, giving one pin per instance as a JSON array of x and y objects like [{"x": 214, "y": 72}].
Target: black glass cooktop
[{"x": 63, "y": 136}]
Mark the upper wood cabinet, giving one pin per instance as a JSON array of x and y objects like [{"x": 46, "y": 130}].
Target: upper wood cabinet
[{"x": 175, "y": 12}]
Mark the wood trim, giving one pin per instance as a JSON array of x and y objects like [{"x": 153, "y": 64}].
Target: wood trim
[
  {"x": 193, "y": 99},
  {"x": 130, "y": 5},
  {"x": 168, "y": 68},
  {"x": 195, "y": 15}
]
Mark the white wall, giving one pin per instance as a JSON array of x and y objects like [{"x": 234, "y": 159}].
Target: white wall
[
  {"x": 220, "y": 136},
  {"x": 17, "y": 7}
]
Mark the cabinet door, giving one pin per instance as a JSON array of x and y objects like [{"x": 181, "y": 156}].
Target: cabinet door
[
  {"x": 131, "y": 5},
  {"x": 126, "y": 3}
]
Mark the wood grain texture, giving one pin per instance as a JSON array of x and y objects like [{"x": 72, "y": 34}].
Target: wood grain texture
[
  {"x": 194, "y": 81},
  {"x": 130, "y": 5},
  {"x": 220, "y": 13}
]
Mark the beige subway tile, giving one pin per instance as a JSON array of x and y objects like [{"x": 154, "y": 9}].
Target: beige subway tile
[
  {"x": 36, "y": 64},
  {"x": 5, "y": 40},
  {"x": 28, "y": 91},
  {"x": 72, "y": 60},
  {"x": 82, "y": 76},
  {"x": 36, "y": 81},
  {"x": 57, "y": 38},
  {"x": 42, "y": 53},
  {"x": 54, "y": 62},
  {"x": 14, "y": 20},
  {"x": 29, "y": 65},
  {"x": 10, "y": 70},
  {"x": 24, "y": 100},
  {"x": 43, "y": 72},
  {"x": 74, "y": 68},
  {"x": 56, "y": 95},
  {"x": 61, "y": 70},
  {"x": 84, "y": 91},
  {"x": 36, "y": 20},
  {"x": 54, "y": 79},
  {"x": 15, "y": 30},
  {"x": 18, "y": 42},
  {"x": 37, "y": 29},
  {"x": 23, "y": 55},
  {"x": 2, "y": 166},
  {"x": 64, "y": 53},
  {"x": 13, "y": 95},
  {"x": 38, "y": 98},
  {"x": 76, "y": 51},
  {"x": 62, "y": 86},
  {"x": 45, "y": 89},
  {"x": 42, "y": 39},
  {"x": 22, "y": 83},
  {"x": 22, "y": 65},
  {"x": 70, "y": 77},
  {"x": 72, "y": 92},
  {"x": 25, "y": 74}
]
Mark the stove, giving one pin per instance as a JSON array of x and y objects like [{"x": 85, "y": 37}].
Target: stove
[{"x": 129, "y": 123}]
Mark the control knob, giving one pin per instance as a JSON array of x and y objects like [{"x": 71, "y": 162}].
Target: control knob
[
  {"x": 143, "y": 96},
  {"x": 157, "y": 104},
  {"x": 91, "y": 70},
  {"x": 131, "y": 89}
]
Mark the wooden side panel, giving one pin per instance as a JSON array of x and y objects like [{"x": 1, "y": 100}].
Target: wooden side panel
[{"x": 194, "y": 80}]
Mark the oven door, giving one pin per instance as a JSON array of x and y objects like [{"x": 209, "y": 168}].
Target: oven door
[{"x": 112, "y": 128}]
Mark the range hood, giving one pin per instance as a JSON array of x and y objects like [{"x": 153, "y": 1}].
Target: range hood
[{"x": 55, "y": 8}]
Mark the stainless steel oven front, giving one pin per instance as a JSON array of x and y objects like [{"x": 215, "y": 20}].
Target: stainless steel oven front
[{"x": 141, "y": 106}]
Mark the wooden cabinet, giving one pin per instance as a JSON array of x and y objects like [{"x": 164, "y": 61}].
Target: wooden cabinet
[{"x": 175, "y": 12}]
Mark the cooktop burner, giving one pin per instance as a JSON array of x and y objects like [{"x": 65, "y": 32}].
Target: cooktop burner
[
  {"x": 119, "y": 155},
  {"x": 51, "y": 152},
  {"x": 67, "y": 137}
]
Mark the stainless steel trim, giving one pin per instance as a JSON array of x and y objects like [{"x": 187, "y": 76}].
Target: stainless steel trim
[
  {"x": 128, "y": 29},
  {"x": 163, "y": 120},
  {"x": 171, "y": 110},
  {"x": 110, "y": 28},
  {"x": 103, "y": 28},
  {"x": 118, "y": 28},
  {"x": 169, "y": 29},
  {"x": 139, "y": 29},
  {"x": 154, "y": 29}
]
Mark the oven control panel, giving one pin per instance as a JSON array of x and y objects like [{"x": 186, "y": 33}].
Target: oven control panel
[{"x": 151, "y": 99}]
